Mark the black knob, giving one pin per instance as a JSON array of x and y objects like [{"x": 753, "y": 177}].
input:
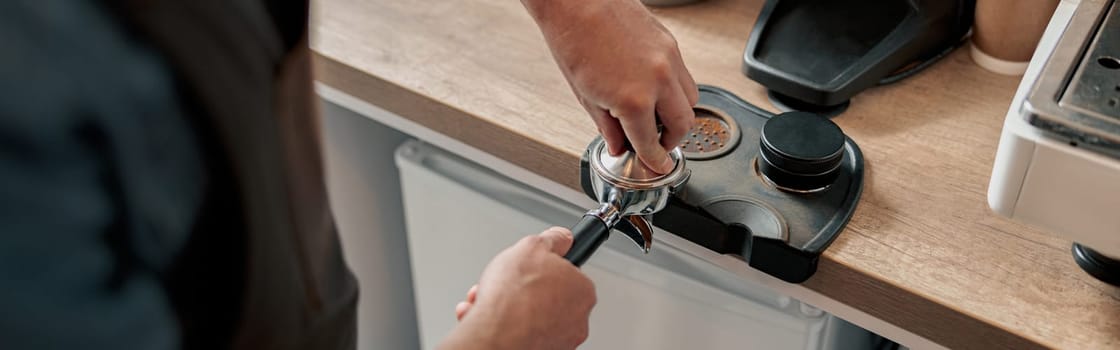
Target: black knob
[{"x": 801, "y": 151}]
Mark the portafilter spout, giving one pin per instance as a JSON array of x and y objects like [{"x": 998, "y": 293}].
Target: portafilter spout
[{"x": 628, "y": 193}]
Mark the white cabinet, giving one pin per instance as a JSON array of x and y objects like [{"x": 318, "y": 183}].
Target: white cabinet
[
  {"x": 366, "y": 199},
  {"x": 459, "y": 215}
]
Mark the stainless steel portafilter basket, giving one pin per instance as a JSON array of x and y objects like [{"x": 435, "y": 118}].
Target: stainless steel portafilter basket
[{"x": 628, "y": 194}]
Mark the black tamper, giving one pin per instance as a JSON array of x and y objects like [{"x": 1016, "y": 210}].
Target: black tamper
[{"x": 800, "y": 152}]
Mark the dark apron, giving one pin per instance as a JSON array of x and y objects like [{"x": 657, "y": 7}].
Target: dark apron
[{"x": 246, "y": 68}]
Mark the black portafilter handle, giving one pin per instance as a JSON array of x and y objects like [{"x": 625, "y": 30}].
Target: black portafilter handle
[{"x": 587, "y": 235}]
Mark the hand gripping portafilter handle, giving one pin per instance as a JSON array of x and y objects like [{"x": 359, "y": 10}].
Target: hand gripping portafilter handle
[{"x": 587, "y": 235}]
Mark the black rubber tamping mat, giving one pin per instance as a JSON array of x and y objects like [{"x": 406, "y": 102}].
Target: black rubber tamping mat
[{"x": 778, "y": 217}]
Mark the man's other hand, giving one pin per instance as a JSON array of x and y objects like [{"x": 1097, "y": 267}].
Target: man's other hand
[{"x": 528, "y": 297}]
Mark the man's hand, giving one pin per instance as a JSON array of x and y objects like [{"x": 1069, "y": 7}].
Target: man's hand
[
  {"x": 626, "y": 71},
  {"x": 528, "y": 297}
]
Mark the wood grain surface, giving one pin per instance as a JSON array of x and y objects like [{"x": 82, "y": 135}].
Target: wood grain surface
[{"x": 923, "y": 251}]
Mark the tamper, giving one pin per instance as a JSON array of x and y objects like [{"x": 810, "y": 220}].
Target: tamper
[{"x": 628, "y": 193}]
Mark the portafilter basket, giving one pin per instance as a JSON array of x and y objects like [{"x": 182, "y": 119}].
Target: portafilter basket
[{"x": 628, "y": 193}]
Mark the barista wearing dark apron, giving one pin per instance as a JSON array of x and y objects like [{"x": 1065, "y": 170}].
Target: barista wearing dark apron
[
  {"x": 163, "y": 183},
  {"x": 163, "y": 186}
]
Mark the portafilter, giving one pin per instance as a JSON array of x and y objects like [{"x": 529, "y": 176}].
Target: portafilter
[{"x": 628, "y": 193}]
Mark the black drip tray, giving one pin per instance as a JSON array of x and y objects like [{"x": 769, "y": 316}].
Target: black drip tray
[
  {"x": 730, "y": 207},
  {"x": 821, "y": 53}
]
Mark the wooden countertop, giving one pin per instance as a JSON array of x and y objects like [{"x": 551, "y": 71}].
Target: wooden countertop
[{"x": 923, "y": 251}]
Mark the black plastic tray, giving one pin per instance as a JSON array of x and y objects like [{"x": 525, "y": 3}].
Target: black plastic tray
[
  {"x": 823, "y": 52},
  {"x": 727, "y": 207}
]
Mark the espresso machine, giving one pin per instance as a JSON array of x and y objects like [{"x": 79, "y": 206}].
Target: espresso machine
[{"x": 1058, "y": 163}]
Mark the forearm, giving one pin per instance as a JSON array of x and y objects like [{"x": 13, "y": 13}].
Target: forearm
[
  {"x": 539, "y": 9},
  {"x": 551, "y": 15}
]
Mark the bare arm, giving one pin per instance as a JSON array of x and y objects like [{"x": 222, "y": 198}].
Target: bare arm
[{"x": 625, "y": 69}]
